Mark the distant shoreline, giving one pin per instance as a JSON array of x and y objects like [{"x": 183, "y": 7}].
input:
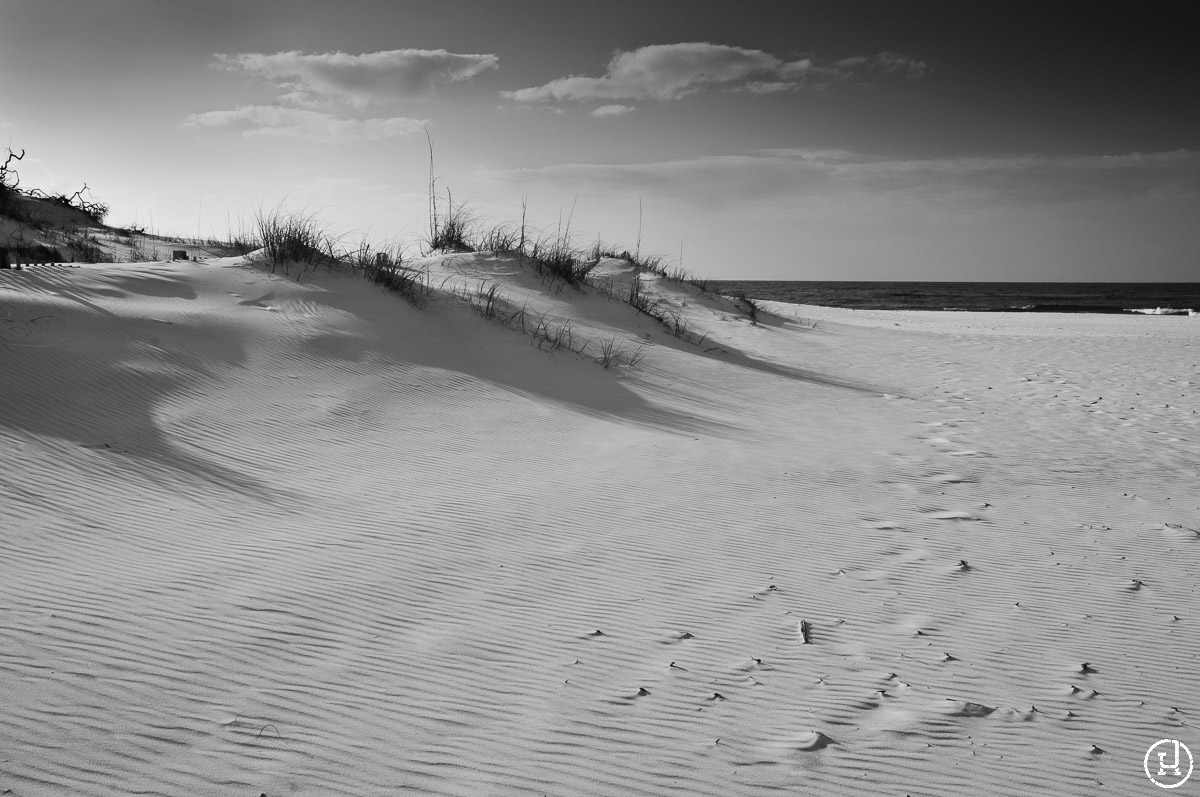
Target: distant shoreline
[{"x": 1116, "y": 298}]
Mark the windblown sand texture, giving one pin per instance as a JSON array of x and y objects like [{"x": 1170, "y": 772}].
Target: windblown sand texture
[{"x": 262, "y": 535}]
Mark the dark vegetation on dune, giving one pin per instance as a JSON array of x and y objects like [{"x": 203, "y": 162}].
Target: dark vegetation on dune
[
  {"x": 40, "y": 227},
  {"x": 11, "y": 190}
]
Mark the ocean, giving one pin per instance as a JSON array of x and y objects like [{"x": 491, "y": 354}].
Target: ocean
[{"x": 1155, "y": 298}]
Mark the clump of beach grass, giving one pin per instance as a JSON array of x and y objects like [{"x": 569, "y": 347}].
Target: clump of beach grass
[
  {"x": 502, "y": 239},
  {"x": 449, "y": 230},
  {"x": 613, "y": 353},
  {"x": 242, "y": 242},
  {"x": 289, "y": 238},
  {"x": 555, "y": 256},
  {"x": 385, "y": 266},
  {"x": 747, "y": 305}
]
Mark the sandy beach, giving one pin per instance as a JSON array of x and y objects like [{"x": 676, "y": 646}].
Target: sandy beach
[{"x": 269, "y": 535}]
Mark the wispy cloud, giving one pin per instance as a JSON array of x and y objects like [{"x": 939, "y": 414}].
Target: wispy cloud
[
  {"x": 666, "y": 72},
  {"x": 887, "y": 63},
  {"x": 612, "y": 110},
  {"x": 826, "y": 176},
  {"x": 358, "y": 79},
  {"x": 276, "y": 120}
]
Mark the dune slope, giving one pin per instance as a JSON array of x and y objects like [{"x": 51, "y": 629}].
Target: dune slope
[{"x": 263, "y": 535}]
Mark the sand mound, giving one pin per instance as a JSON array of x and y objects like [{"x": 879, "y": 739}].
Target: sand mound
[{"x": 263, "y": 535}]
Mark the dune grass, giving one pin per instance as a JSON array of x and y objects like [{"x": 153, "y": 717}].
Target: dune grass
[
  {"x": 748, "y": 306},
  {"x": 503, "y": 239},
  {"x": 449, "y": 231},
  {"x": 141, "y": 251},
  {"x": 290, "y": 238},
  {"x": 544, "y": 331},
  {"x": 412, "y": 284},
  {"x": 553, "y": 255},
  {"x": 385, "y": 266},
  {"x": 240, "y": 243},
  {"x": 556, "y": 257}
]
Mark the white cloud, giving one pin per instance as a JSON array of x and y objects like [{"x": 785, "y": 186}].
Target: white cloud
[
  {"x": 672, "y": 71},
  {"x": 275, "y": 120},
  {"x": 358, "y": 79},
  {"x": 309, "y": 82},
  {"x": 612, "y": 110}
]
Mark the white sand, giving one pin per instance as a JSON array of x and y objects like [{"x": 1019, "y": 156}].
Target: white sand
[{"x": 302, "y": 538}]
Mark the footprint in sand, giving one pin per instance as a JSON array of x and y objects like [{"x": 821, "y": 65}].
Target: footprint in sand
[
  {"x": 952, "y": 514},
  {"x": 629, "y": 698},
  {"x": 869, "y": 703},
  {"x": 882, "y": 525},
  {"x": 776, "y": 764},
  {"x": 812, "y": 741},
  {"x": 948, "y": 478},
  {"x": 916, "y": 625},
  {"x": 1019, "y": 715},
  {"x": 1175, "y": 531},
  {"x": 965, "y": 708}
]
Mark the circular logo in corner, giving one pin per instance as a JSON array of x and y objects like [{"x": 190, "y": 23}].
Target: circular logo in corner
[{"x": 1168, "y": 763}]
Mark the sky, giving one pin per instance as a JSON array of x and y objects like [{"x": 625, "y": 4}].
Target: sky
[{"x": 743, "y": 140}]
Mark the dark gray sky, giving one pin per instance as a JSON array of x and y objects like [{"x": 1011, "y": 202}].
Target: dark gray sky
[{"x": 799, "y": 140}]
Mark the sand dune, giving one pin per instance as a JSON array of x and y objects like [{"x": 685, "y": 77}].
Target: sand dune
[{"x": 263, "y": 535}]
